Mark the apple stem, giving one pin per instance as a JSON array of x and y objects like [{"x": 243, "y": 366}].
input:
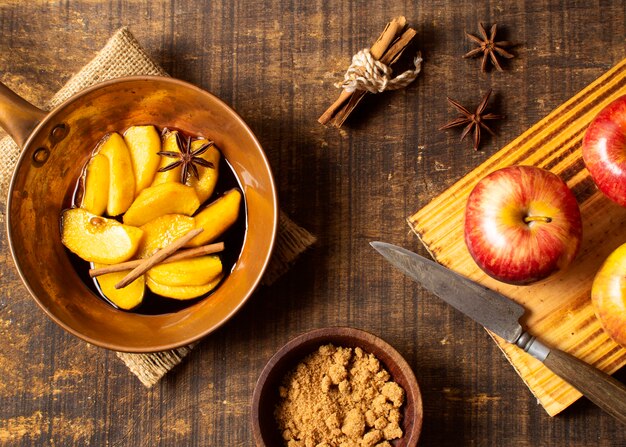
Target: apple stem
[{"x": 529, "y": 219}]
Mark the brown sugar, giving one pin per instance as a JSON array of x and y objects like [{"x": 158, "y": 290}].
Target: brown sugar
[{"x": 339, "y": 397}]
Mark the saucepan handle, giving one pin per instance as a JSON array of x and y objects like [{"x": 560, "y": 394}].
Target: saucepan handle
[{"x": 18, "y": 117}]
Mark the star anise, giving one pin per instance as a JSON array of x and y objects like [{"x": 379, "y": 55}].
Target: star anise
[
  {"x": 187, "y": 158},
  {"x": 490, "y": 49},
  {"x": 471, "y": 120}
]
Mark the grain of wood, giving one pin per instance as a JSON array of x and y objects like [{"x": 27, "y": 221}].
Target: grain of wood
[
  {"x": 275, "y": 62},
  {"x": 559, "y": 310}
]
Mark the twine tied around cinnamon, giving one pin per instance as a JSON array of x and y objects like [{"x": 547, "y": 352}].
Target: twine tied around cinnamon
[{"x": 368, "y": 74}]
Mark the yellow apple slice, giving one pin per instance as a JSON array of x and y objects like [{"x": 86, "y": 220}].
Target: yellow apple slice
[
  {"x": 182, "y": 292},
  {"x": 159, "y": 200},
  {"x": 217, "y": 217},
  {"x": 207, "y": 176},
  {"x": 162, "y": 231},
  {"x": 98, "y": 239},
  {"x": 187, "y": 272},
  {"x": 121, "y": 177},
  {"x": 170, "y": 144},
  {"x": 125, "y": 298},
  {"x": 96, "y": 190},
  {"x": 144, "y": 143}
]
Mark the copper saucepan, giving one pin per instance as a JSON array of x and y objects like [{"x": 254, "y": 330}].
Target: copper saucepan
[{"x": 56, "y": 145}]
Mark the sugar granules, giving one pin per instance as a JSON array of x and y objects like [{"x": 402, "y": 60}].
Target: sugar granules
[{"x": 339, "y": 397}]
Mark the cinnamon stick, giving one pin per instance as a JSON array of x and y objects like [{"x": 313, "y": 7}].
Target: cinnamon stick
[
  {"x": 389, "y": 57},
  {"x": 148, "y": 263},
  {"x": 178, "y": 256},
  {"x": 389, "y": 34}
]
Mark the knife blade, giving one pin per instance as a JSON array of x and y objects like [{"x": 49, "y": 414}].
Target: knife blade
[{"x": 501, "y": 315}]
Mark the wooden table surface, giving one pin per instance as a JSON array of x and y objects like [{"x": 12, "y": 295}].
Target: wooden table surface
[{"x": 275, "y": 61}]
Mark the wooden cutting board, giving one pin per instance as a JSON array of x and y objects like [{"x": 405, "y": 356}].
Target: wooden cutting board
[{"x": 559, "y": 309}]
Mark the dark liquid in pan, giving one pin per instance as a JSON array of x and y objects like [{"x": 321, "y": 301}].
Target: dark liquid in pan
[{"x": 233, "y": 239}]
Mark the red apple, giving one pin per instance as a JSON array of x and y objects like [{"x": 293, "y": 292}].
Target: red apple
[
  {"x": 522, "y": 224},
  {"x": 608, "y": 295},
  {"x": 604, "y": 150}
]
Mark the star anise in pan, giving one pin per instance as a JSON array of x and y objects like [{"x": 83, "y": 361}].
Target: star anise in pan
[
  {"x": 472, "y": 121},
  {"x": 187, "y": 158},
  {"x": 489, "y": 47}
]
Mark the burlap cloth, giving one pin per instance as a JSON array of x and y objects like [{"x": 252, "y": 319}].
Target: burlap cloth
[{"x": 123, "y": 56}]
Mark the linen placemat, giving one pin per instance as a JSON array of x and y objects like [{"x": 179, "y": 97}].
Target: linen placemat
[{"x": 123, "y": 56}]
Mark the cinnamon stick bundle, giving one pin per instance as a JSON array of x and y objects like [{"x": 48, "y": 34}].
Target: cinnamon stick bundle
[{"x": 388, "y": 48}]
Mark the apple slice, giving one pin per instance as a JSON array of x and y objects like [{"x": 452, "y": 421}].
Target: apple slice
[
  {"x": 144, "y": 143},
  {"x": 162, "y": 231},
  {"x": 207, "y": 176},
  {"x": 159, "y": 200},
  {"x": 125, "y": 298},
  {"x": 98, "y": 239},
  {"x": 170, "y": 144},
  {"x": 217, "y": 217},
  {"x": 182, "y": 292},
  {"x": 96, "y": 190},
  {"x": 121, "y": 177},
  {"x": 187, "y": 272}
]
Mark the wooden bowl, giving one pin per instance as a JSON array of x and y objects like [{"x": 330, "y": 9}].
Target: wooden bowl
[
  {"x": 265, "y": 397},
  {"x": 55, "y": 148}
]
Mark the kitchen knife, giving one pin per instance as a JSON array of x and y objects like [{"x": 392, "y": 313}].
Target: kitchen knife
[{"x": 501, "y": 315}]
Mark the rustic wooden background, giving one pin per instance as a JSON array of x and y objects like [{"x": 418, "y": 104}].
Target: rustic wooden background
[{"x": 275, "y": 61}]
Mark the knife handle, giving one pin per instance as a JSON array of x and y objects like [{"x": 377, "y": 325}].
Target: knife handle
[{"x": 600, "y": 388}]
